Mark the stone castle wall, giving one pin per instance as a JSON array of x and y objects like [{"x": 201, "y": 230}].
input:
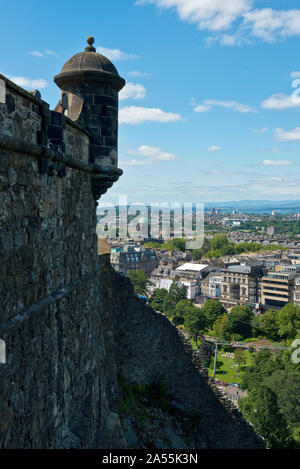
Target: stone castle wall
[
  {"x": 62, "y": 309},
  {"x": 149, "y": 346},
  {"x": 52, "y": 388}
]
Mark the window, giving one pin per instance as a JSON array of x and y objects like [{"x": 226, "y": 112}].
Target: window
[{"x": 64, "y": 104}]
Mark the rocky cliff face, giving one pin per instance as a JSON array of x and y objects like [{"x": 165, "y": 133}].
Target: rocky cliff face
[
  {"x": 151, "y": 351},
  {"x": 88, "y": 365}
]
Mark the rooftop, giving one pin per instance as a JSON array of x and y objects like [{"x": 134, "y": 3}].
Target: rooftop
[
  {"x": 239, "y": 269},
  {"x": 191, "y": 266},
  {"x": 89, "y": 65}
]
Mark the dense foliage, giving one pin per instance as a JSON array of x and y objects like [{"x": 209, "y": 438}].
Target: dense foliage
[
  {"x": 214, "y": 248},
  {"x": 176, "y": 293},
  {"x": 192, "y": 317},
  {"x": 140, "y": 281},
  {"x": 280, "y": 324},
  {"x": 177, "y": 244},
  {"x": 213, "y": 310},
  {"x": 220, "y": 246},
  {"x": 273, "y": 401},
  {"x": 157, "y": 299},
  {"x": 236, "y": 325}
]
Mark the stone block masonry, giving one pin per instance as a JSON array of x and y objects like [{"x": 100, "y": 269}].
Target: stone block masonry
[{"x": 52, "y": 387}]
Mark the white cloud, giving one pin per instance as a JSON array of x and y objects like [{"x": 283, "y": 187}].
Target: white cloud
[
  {"x": 137, "y": 74},
  {"x": 282, "y": 135},
  {"x": 138, "y": 115},
  {"x": 208, "y": 104},
  {"x": 213, "y": 148},
  {"x": 260, "y": 131},
  {"x": 29, "y": 83},
  {"x": 148, "y": 155},
  {"x": 50, "y": 52},
  {"x": 268, "y": 150},
  {"x": 229, "y": 40},
  {"x": 269, "y": 24},
  {"x": 133, "y": 91},
  {"x": 202, "y": 108},
  {"x": 244, "y": 21},
  {"x": 116, "y": 54},
  {"x": 277, "y": 163},
  {"x": 281, "y": 101},
  {"x": 213, "y": 15},
  {"x": 295, "y": 74},
  {"x": 39, "y": 54},
  {"x": 36, "y": 53}
]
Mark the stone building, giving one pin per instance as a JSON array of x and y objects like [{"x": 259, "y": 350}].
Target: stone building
[
  {"x": 241, "y": 285},
  {"x": 125, "y": 259},
  {"x": 162, "y": 277},
  {"x": 211, "y": 286},
  {"x": 63, "y": 309},
  {"x": 296, "y": 291},
  {"x": 279, "y": 288},
  {"x": 193, "y": 275}
]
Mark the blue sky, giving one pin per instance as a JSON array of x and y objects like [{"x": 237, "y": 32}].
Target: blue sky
[{"x": 208, "y": 113}]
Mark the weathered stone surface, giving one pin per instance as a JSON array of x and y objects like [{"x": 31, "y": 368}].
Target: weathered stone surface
[
  {"x": 53, "y": 390},
  {"x": 150, "y": 346}
]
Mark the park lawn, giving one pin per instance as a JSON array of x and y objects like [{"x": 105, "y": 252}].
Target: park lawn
[{"x": 224, "y": 372}]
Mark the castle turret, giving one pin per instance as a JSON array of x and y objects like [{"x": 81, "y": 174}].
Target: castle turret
[{"x": 90, "y": 84}]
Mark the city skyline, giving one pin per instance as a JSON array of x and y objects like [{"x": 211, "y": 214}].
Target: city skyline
[{"x": 207, "y": 113}]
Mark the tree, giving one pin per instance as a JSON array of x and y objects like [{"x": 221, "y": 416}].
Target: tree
[
  {"x": 197, "y": 254},
  {"x": 218, "y": 242},
  {"x": 282, "y": 377},
  {"x": 212, "y": 310},
  {"x": 263, "y": 366},
  {"x": 176, "y": 244},
  {"x": 288, "y": 321},
  {"x": 220, "y": 326},
  {"x": 286, "y": 385},
  {"x": 280, "y": 324},
  {"x": 139, "y": 281},
  {"x": 239, "y": 356},
  {"x": 157, "y": 299},
  {"x": 255, "y": 327},
  {"x": 194, "y": 322},
  {"x": 268, "y": 324},
  {"x": 181, "y": 310},
  {"x": 214, "y": 254},
  {"x": 239, "y": 325},
  {"x": 176, "y": 293},
  {"x": 261, "y": 409}
]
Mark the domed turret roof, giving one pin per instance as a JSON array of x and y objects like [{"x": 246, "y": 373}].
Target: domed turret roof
[{"x": 89, "y": 66}]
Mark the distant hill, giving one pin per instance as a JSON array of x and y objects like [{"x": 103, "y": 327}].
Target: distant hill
[{"x": 255, "y": 205}]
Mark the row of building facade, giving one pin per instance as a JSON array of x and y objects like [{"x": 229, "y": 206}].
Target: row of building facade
[{"x": 263, "y": 282}]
